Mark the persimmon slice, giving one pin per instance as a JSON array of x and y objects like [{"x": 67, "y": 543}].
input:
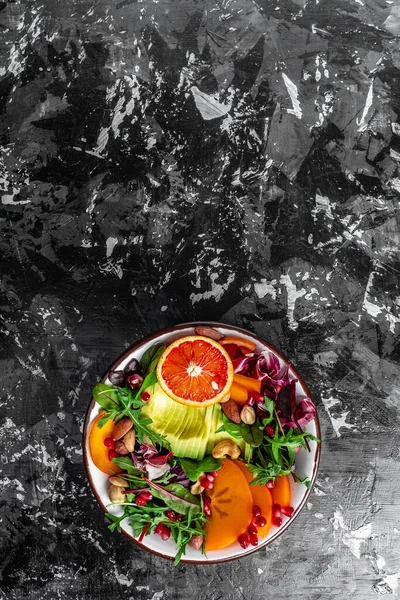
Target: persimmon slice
[
  {"x": 231, "y": 505},
  {"x": 195, "y": 371},
  {"x": 261, "y": 497},
  {"x": 281, "y": 491},
  {"x": 98, "y": 450}
]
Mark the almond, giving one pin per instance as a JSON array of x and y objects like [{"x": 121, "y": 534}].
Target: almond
[
  {"x": 116, "y": 495},
  {"x": 120, "y": 447},
  {"x": 231, "y": 410},
  {"x": 118, "y": 481},
  {"x": 208, "y": 332},
  {"x": 196, "y": 541},
  {"x": 121, "y": 428},
  {"x": 129, "y": 440}
]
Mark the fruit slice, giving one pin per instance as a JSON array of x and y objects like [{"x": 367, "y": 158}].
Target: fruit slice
[
  {"x": 232, "y": 339},
  {"x": 98, "y": 450},
  {"x": 261, "y": 497},
  {"x": 281, "y": 491},
  {"x": 231, "y": 505},
  {"x": 195, "y": 371}
]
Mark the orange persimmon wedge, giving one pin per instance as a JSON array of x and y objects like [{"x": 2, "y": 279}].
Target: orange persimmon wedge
[
  {"x": 232, "y": 339},
  {"x": 251, "y": 384},
  {"x": 261, "y": 497},
  {"x": 98, "y": 450},
  {"x": 281, "y": 491},
  {"x": 238, "y": 393},
  {"x": 231, "y": 505}
]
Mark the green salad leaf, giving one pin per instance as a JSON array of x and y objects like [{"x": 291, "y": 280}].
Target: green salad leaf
[{"x": 194, "y": 468}]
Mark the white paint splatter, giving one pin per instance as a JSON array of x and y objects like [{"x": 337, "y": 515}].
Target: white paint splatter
[
  {"x": 263, "y": 288},
  {"x": 354, "y": 539},
  {"x": 293, "y": 93},
  {"x": 217, "y": 289},
  {"x": 337, "y": 421},
  {"x": 208, "y": 106},
  {"x": 111, "y": 242},
  {"x": 363, "y": 122},
  {"x": 292, "y": 295}
]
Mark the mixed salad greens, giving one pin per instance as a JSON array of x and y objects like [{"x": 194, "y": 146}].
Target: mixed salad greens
[{"x": 160, "y": 492}]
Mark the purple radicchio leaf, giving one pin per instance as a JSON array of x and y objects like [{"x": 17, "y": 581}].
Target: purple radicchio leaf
[
  {"x": 160, "y": 460},
  {"x": 268, "y": 368}
]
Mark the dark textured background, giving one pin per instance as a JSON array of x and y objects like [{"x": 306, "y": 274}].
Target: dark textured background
[{"x": 174, "y": 161}]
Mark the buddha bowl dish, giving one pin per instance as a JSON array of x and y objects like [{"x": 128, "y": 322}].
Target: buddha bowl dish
[{"x": 201, "y": 443}]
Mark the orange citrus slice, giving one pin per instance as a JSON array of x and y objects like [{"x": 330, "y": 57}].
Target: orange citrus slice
[{"x": 195, "y": 371}]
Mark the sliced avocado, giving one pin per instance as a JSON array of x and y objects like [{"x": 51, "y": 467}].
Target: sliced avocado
[{"x": 190, "y": 431}]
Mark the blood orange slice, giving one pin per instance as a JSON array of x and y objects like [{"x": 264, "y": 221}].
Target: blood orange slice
[{"x": 195, "y": 371}]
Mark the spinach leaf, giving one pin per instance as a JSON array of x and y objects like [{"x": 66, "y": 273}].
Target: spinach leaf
[
  {"x": 150, "y": 358},
  {"x": 176, "y": 497},
  {"x": 194, "y": 468},
  {"x": 106, "y": 396},
  {"x": 252, "y": 434},
  {"x": 126, "y": 463}
]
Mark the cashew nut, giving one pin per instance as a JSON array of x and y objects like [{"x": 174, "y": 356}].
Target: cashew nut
[
  {"x": 116, "y": 494},
  {"x": 226, "y": 447}
]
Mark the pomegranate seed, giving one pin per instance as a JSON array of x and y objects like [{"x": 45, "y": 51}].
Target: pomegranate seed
[
  {"x": 287, "y": 510},
  {"x": 140, "y": 501},
  {"x": 159, "y": 528},
  {"x": 244, "y": 540},
  {"x": 270, "y": 431},
  {"x": 270, "y": 485},
  {"x": 215, "y": 473},
  {"x": 257, "y": 398},
  {"x": 260, "y": 521},
  {"x": 254, "y": 540},
  {"x": 250, "y": 401},
  {"x": 179, "y": 517},
  {"x": 171, "y": 515},
  {"x": 145, "y": 396},
  {"x": 277, "y": 521},
  {"x": 134, "y": 381},
  {"x": 207, "y": 510},
  {"x": 166, "y": 533},
  {"x": 144, "y": 531},
  {"x": 207, "y": 500},
  {"x": 256, "y": 511},
  {"x": 109, "y": 443},
  {"x": 252, "y": 530},
  {"x": 205, "y": 483},
  {"x": 210, "y": 477},
  {"x": 276, "y": 510},
  {"x": 146, "y": 495},
  {"x": 112, "y": 454}
]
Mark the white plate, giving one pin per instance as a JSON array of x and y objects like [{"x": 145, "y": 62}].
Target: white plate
[{"x": 306, "y": 462}]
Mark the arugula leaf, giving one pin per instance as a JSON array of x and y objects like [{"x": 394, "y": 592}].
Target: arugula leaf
[
  {"x": 194, "y": 468},
  {"x": 176, "y": 497},
  {"x": 106, "y": 396},
  {"x": 150, "y": 358},
  {"x": 106, "y": 417},
  {"x": 270, "y": 406}
]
